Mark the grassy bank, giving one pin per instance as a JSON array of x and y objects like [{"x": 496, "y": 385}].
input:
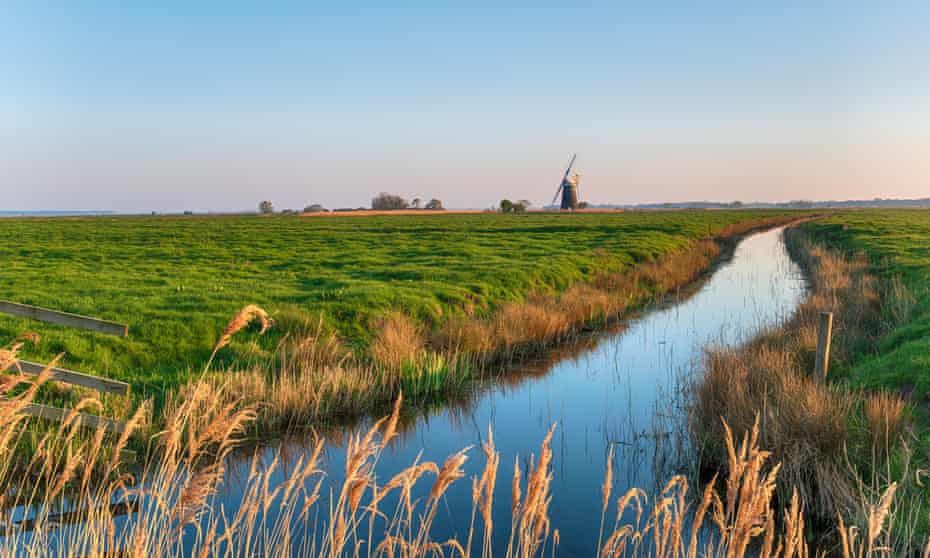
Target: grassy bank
[
  {"x": 315, "y": 379},
  {"x": 379, "y": 290},
  {"x": 838, "y": 444},
  {"x": 897, "y": 245}
]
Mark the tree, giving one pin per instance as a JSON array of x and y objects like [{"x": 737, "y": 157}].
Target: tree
[
  {"x": 315, "y": 208},
  {"x": 506, "y": 206},
  {"x": 434, "y": 204},
  {"x": 583, "y": 205},
  {"x": 526, "y": 203},
  {"x": 416, "y": 203},
  {"x": 385, "y": 201},
  {"x": 266, "y": 207},
  {"x": 519, "y": 207}
]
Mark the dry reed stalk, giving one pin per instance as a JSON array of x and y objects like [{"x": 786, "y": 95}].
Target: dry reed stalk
[
  {"x": 240, "y": 321},
  {"x": 606, "y": 489}
]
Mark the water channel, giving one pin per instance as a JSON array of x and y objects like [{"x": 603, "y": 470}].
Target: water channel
[{"x": 625, "y": 388}]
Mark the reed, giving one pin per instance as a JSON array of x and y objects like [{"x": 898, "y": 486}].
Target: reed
[{"x": 175, "y": 510}]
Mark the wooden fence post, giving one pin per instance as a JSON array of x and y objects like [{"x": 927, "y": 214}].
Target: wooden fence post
[{"x": 824, "y": 332}]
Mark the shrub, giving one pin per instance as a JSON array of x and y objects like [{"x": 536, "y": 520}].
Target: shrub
[{"x": 385, "y": 201}]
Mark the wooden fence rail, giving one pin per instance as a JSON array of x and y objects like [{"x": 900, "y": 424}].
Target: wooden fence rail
[
  {"x": 103, "y": 385},
  {"x": 87, "y": 421},
  {"x": 63, "y": 318}
]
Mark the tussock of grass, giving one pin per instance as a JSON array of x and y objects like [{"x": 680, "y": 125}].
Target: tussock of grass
[
  {"x": 397, "y": 340},
  {"x": 885, "y": 412}
]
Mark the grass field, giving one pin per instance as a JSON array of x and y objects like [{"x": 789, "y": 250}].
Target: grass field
[
  {"x": 897, "y": 243},
  {"x": 177, "y": 280}
]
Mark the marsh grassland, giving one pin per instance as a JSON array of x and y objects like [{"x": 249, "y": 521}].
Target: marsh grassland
[
  {"x": 794, "y": 467},
  {"x": 375, "y": 290}
]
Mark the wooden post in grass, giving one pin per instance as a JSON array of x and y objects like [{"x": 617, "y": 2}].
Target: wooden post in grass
[{"x": 824, "y": 332}]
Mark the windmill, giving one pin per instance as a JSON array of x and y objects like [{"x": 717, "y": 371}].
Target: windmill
[{"x": 568, "y": 188}]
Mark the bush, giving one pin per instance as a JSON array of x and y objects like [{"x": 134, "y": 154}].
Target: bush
[
  {"x": 315, "y": 208},
  {"x": 385, "y": 201},
  {"x": 434, "y": 204},
  {"x": 266, "y": 207},
  {"x": 506, "y": 206}
]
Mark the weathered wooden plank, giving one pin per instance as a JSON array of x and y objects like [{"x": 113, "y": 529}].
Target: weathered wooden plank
[
  {"x": 85, "y": 420},
  {"x": 104, "y": 385},
  {"x": 824, "y": 333},
  {"x": 116, "y": 509},
  {"x": 63, "y": 318}
]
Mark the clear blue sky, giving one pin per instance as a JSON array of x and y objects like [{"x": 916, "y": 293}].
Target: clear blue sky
[{"x": 138, "y": 106}]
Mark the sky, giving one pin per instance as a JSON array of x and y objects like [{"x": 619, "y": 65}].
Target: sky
[{"x": 141, "y": 106}]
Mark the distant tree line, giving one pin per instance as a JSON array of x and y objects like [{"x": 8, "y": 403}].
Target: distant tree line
[
  {"x": 388, "y": 202},
  {"x": 381, "y": 202}
]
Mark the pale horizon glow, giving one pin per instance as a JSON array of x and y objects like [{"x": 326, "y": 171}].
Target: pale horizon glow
[{"x": 214, "y": 106}]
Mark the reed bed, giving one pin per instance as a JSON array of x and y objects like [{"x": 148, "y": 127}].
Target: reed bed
[{"x": 173, "y": 507}]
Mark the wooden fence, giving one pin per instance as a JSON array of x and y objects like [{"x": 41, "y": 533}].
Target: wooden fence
[{"x": 63, "y": 375}]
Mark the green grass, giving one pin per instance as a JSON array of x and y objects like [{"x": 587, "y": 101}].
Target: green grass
[
  {"x": 177, "y": 280},
  {"x": 898, "y": 245}
]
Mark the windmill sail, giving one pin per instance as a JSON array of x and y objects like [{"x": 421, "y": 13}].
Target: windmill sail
[{"x": 568, "y": 188}]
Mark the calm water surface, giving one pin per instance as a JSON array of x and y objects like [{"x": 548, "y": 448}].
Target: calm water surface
[{"x": 625, "y": 389}]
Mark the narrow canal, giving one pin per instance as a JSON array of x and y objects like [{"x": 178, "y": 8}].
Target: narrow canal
[{"x": 626, "y": 388}]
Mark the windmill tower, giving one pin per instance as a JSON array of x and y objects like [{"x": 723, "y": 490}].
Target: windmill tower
[{"x": 568, "y": 188}]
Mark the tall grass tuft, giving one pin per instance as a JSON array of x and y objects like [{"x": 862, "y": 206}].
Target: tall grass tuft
[
  {"x": 398, "y": 340},
  {"x": 885, "y": 413}
]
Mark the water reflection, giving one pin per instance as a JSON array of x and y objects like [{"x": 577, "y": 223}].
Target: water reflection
[{"x": 627, "y": 388}]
